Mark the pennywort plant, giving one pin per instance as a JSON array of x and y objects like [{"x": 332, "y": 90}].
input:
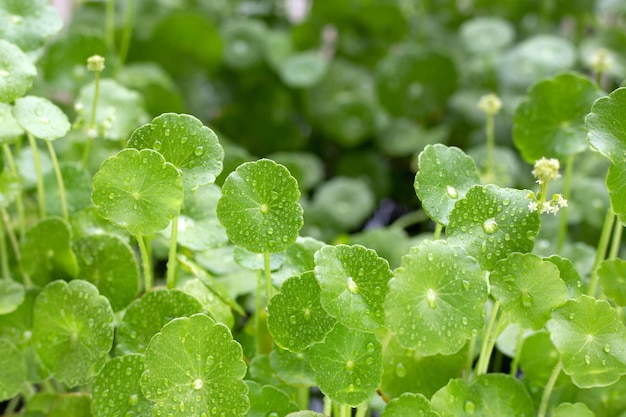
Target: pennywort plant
[{"x": 151, "y": 266}]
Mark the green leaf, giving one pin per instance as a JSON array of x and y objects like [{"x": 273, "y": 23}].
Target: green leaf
[
  {"x": 10, "y": 130},
  {"x": 486, "y": 35},
  {"x": 605, "y": 130},
  {"x": 296, "y": 318},
  {"x": 612, "y": 274},
  {"x": 116, "y": 391},
  {"x": 538, "y": 359},
  {"x": 110, "y": 264},
  {"x": 118, "y": 112},
  {"x": 590, "y": 337},
  {"x": 293, "y": 368},
  {"x": 298, "y": 258},
  {"x": 572, "y": 410},
  {"x": 219, "y": 310},
  {"x": 306, "y": 168},
  {"x": 77, "y": 183},
  {"x": 528, "y": 288},
  {"x": 569, "y": 274},
  {"x": 185, "y": 143},
  {"x": 305, "y": 413},
  {"x": 256, "y": 261},
  {"x": 492, "y": 222},
  {"x": 405, "y": 137},
  {"x": 138, "y": 190},
  {"x": 75, "y": 404},
  {"x": 458, "y": 399},
  {"x": 73, "y": 330},
  {"x": 390, "y": 243},
  {"x": 28, "y": 23},
  {"x": 348, "y": 365},
  {"x": 303, "y": 69},
  {"x": 268, "y": 401},
  {"x": 409, "y": 405},
  {"x": 194, "y": 366},
  {"x": 344, "y": 203},
  {"x": 243, "y": 42},
  {"x": 353, "y": 281},
  {"x": 615, "y": 181},
  {"x": 13, "y": 366},
  {"x": 11, "y": 295},
  {"x": 10, "y": 188},
  {"x": 47, "y": 253},
  {"x": 436, "y": 299},
  {"x": 145, "y": 316},
  {"x": 445, "y": 175},
  {"x": 16, "y": 73},
  {"x": 41, "y": 118},
  {"x": 259, "y": 207},
  {"x": 550, "y": 121}
]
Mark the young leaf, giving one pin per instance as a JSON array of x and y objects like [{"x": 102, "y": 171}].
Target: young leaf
[
  {"x": 344, "y": 202},
  {"x": 11, "y": 295},
  {"x": 116, "y": 391},
  {"x": 110, "y": 264},
  {"x": 408, "y": 405},
  {"x": 486, "y": 35},
  {"x": 259, "y": 207},
  {"x": 268, "y": 401},
  {"x": 77, "y": 184},
  {"x": 10, "y": 130},
  {"x": 492, "y": 222},
  {"x": 445, "y": 175},
  {"x": 590, "y": 337},
  {"x": 28, "y": 23},
  {"x": 353, "y": 281},
  {"x": 615, "y": 180},
  {"x": 145, "y": 316},
  {"x": 138, "y": 190},
  {"x": 612, "y": 273},
  {"x": 569, "y": 274},
  {"x": 550, "y": 121},
  {"x": 185, "y": 143},
  {"x": 298, "y": 258},
  {"x": 436, "y": 299},
  {"x": 458, "y": 399},
  {"x": 194, "y": 366},
  {"x": 73, "y": 330},
  {"x": 303, "y": 69},
  {"x": 528, "y": 288},
  {"x": 10, "y": 187},
  {"x": 47, "y": 252},
  {"x": 41, "y": 118},
  {"x": 13, "y": 366},
  {"x": 538, "y": 359},
  {"x": 16, "y": 73},
  {"x": 75, "y": 404},
  {"x": 572, "y": 410},
  {"x": 293, "y": 368},
  {"x": 296, "y": 318},
  {"x": 347, "y": 365},
  {"x": 210, "y": 301},
  {"x": 604, "y": 128}
]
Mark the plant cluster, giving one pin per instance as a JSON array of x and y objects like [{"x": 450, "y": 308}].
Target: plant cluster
[{"x": 153, "y": 265}]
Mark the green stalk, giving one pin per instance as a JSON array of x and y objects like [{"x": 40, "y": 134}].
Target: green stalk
[
  {"x": 547, "y": 391},
  {"x": 92, "y": 120},
  {"x": 601, "y": 251},
  {"x": 518, "y": 353},
  {"x": 268, "y": 277},
  {"x": 437, "y": 232},
  {"x": 328, "y": 405},
  {"x": 9, "y": 231},
  {"x": 409, "y": 219},
  {"x": 361, "y": 410},
  {"x": 485, "y": 352},
  {"x": 617, "y": 239},
  {"x": 126, "y": 34},
  {"x": 257, "y": 316},
  {"x": 12, "y": 405},
  {"x": 567, "y": 184},
  {"x": 146, "y": 263},
  {"x": 171, "y": 260},
  {"x": 59, "y": 176},
  {"x": 19, "y": 202},
  {"x": 302, "y": 397},
  {"x": 344, "y": 410},
  {"x": 41, "y": 197},
  {"x": 110, "y": 25},
  {"x": 470, "y": 357},
  {"x": 4, "y": 255},
  {"x": 491, "y": 144}
]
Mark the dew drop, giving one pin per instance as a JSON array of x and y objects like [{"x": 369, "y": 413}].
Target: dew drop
[
  {"x": 527, "y": 299},
  {"x": 466, "y": 285},
  {"x": 292, "y": 319},
  {"x": 270, "y": 231},
  {"x": 198, "y": 151},
  {"x": 133, "y": 399},
  {"x": 464, "y": 320},
  {"x": 370, "y": 348},
  {"x": 452, "y": 191},
  {"x": 431, "y": 298},
  {"x": 111, "y": 196},
  {"x": 587, "y": 360},
  {"x": 198, "y": 384},
  {"x": 469, "y": 407},
  {"x": 400, "y": 370},
  {"x": 490, "y": 226},
  {"x": 351, "y": 285},
  {"x": 571, "y": 316},
  {"x": 351, "y": 388},
  {"x": 167, "y": 132},
  {"x": 157, "y": 145},
  {"x": 361, "y": 272},
  {"x": 606, "y": 348}
]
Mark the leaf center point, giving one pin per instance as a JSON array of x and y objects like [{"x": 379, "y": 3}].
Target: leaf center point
[{"x": 198, "y": 384}]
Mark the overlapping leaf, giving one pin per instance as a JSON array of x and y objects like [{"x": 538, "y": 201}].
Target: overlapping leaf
[
  {"x": 16, "y": 72},
  {"x": 13, "y": 366},
  {"x": 28, "y": 23},
  {"x": 409, "y": 404},
  {"x": 41, "y": 118}
]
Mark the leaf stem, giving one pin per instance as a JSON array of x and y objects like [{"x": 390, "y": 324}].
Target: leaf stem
[
  {"x": 268, "y": 277},
  {"x": 4, "y": 255},
  {"x": 110, "y": 25},
  {"x": 171, "y": 260},
  {"x": 328, "y": 405},
  {"x": 485, "y": 352},
  {"x": 518, "y": 353},
  {"x": 146, "y": 263},
  {"x": 437, "y": 232},
  {"x": 567, "y": 185},
  {"x": 126, "y": 34},
  {"x": 344, "y": 410},
  {"x": 9, "y": 230},
  {"x": 91, "y": 128},
  {"x": 19, "y": 202},
  {"x": 491, "y": 141},
  {"x": 41, "y": 197},
  {"x": 601, "y": 251},
  {"x": 59, "y": 176},
  {"x": 361, "y": 410},
  {"x": 545, "y": 398},
  {"x": 470, "y": 357},
  {"x": 409, "y": 219},
  {"x": 302, "y": 397},
  {"x": 617, "y": 239},
  {"x": 257, "y": 316}
]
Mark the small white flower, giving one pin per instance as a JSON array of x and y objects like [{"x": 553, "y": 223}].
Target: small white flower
[
  {"x": 533, "y": 206},
  {"x": 560, "y": 201},
  {"x": 546, "y": 170}
]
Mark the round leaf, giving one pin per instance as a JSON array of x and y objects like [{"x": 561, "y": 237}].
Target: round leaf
[
  {"x": 145, "y": 316},
  {"x": 572, "y": 410},
  {"x": 296, "y": 318},
  {"x": 41, "y": 118},
  {"x": 293, "y": 368},
  {"x": 10, "y": 188},
  {"x": 73, "y": 330},
  {"x": 353, "y": 281},
  {"x": 77, "y": 183},
  {"x": 436, "y": 299},
  {"x": 348, "y": 365},
  {"x": 445, "y": 175},
  {"x": 492, "y": 222},
  {"x": 528, "y": 288},
  {"x": 605, "y": 130},
  {"x": 458, "y": 399},
  {"x": 11, "y": 295},
  {"x": 194, "y": 366},
  {"x": 612, "y": 273},
  {"x": 550, "y": 121},
  {"x": 75, "y": 404},
  {"x": 303, "y": 69},
  {"x": 138, "y": 190},
  {"x": 409, "y": 405},
  {"x": 344, "y": 202},
  {"x": 16, "y": 72},
  {"x": 184, "y": 142},
  {"x": 298, "y": 258},
  {"x": 47, "y": 253},
  {"x": 615, "y": 180},
  {"x": 110, "y": 264},
  {"x": 590, "y": 337},
  {"x": 13, "y": 366},
  {"x": 28, "y": 23},
  {"x": 116, "y": 391},
  {"x": 259, "y": 207},
  {"x": 486, "y": 35},
  {"x": 268, "y": 401},
  {"x": 10, "y": 130}
]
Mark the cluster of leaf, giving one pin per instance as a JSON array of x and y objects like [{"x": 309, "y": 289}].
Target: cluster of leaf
[{"x": 150, "y": 268}]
